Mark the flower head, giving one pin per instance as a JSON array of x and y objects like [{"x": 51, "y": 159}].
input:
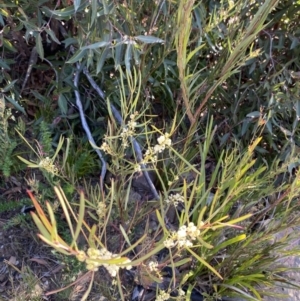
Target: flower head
[
  {"x": 183, "y": 237},
  {"x": 175, "y": 199},
  {"x": 162, "y": 296},
  {"x": 103, "y": 254},
  {"x": 164, "y": 140}
]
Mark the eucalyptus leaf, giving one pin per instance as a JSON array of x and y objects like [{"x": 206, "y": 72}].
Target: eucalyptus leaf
[
  {"x": 70, "y": 41},
  {"x": 128, "y": 57},
  {"x": 52, "y": 35},
  {"x": 79, "y": 54},
  {"x": 8, "y": 45},
  {"x": 1, "y": 20},
  {"x": 63, "y": 104},
  {"x": 39, "y": 46},
  {"x": 96, "y": 45},
  {"x": 94, "y": 11},
  {"x": 101, "y": 59},
  {"x": 297, "y": 107},
  {"x": 9, "y": 86},
  {"x": 64, "y": 13},
  {"x": 3, "y": 64},
  {"x": 254, "y": 114},
  {"x": 149, "y": 39},
  {"x": 15, "y": 104},
  {"x": 76, "y": 4}
]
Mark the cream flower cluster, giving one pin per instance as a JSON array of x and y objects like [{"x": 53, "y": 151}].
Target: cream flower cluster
[
  {"x": 183, "y": 237},
  {"x": 175, "y": 199},
  {"x": 150, "y": 155},
  {"x": 153, "y": 266},
  {"x": 163, "y": 141},
  {"x": 129, "y": 129},
  {"x": 103, "y": 254},
  {"x": 106, "y": 148},
  {"x": 47, "y": 164},
  {"x": 163, "y": 296},
  {"x": 101, "y": 210}
]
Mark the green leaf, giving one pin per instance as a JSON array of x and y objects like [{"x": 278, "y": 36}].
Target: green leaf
[
  {"x": 15, "y": 104},
  {"x": 3, "y": 64},
  {"x": 1, "y": 21},
  {"x": 76, "y": 4},
  {"x": 8, "y": 45},
  {"x": 63, "y": 104},
  {"x": 4, "y": 13},
  {"x": 96, "y": 45},
  {"x": 52, "y": 35},
  {"x": 41, "y": 226},
  {"x": 79, "y": 54},
  {"x": 70, "y": 41},
  {"x": 192, "y": 53},
  {"x": 149, "y": 39},
  {"x": 80, "y": 218},
  {"x": 229, "y": 242},
  {"x": 128, "y": 56},
  {"x": 28, "y": 163},
  {"x": 64, "y": 13},
  {"x": 9, "y": 86},
  {"x": 40, "y": 96},
  {"x": 204, "y": 263},
  {"x": 94, "y": 11},
  {"x": 118, "y": 54},
  {"x": 254, "y": 114},
  {"x": 298, "y": 109},
  {"x": 101, "y": 59},
  {"x": 39, "y": 46}
]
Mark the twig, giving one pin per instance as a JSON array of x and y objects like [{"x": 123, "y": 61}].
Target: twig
[
  {"x": 32, "y": 62},
  {"x": 136, "y": 146},
  {"x": 270, "y": 51},
  {"x": 86, "y": 127},
  {"x": 258, "y": 218}
]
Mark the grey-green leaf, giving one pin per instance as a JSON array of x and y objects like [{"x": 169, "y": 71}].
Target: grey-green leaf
[
  {"x": 254, "y": 114},
  {"x": 9, "y": 86},
  {"x": 52, "y": 35},
  {"x": 149, "y": 39},
  {"x": 16, "y": 104},
  {"x": 4, "y": 65},
  {"x": 298, "y": 109},
  {"x": 67, "y": 12},
  {"x": 63, "y": 104},
  {"x": 77, "y": 56},
  {"x": 39, "y": 46},
  {"x": 96, "y": 45},
  {"x": 76, "y": 4}
]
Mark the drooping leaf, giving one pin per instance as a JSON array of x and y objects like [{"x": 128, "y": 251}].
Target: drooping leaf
[
  {"x": 63, "y": 104},
  {"x": 96, "y": 45},
  {"x": 39, "y": 46},
  {"x": 76, "y": 4},
  {"x": 79, "y": 54},
  {"x": 149, "y": 39}
]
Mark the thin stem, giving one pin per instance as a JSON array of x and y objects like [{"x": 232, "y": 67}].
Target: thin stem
[{"x": 86, "y": 127}]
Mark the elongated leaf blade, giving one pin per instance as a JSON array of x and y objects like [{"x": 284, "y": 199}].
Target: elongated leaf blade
[
  {"x": 149, "y": 39},
  {"x": 39, "y": 46},
  {"x": 79, "y": 54},
  {"x": 205, "y": 263},
  {"x": 76, "y": 4},
  {"x": 96, "y": 45}
]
